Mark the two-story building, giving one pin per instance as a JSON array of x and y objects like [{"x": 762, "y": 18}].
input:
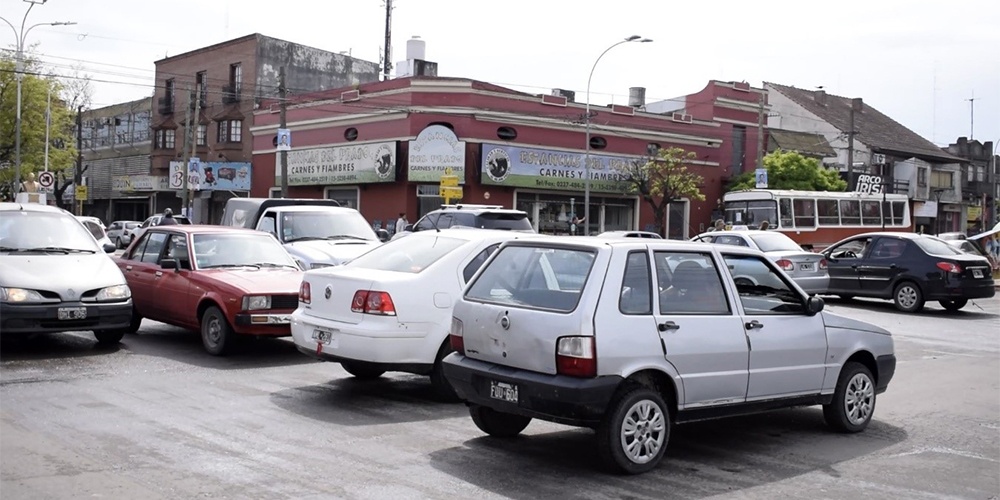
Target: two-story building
[{"x": 979, "y": 184}]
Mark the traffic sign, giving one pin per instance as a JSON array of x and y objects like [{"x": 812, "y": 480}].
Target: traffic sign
[
  {"x": 449, "y": 180},
  {"x": 449, "y": 193},
  {"x": 46, "y": 179},
  {"x": 81, "y": 192}
]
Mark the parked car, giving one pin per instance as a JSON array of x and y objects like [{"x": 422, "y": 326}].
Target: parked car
[
  {"x": 54, "y": 277},
  {"x": 908, "y": 269},
  {"x": 631, "y": 337},
  {"x": 390, "y": 309},
  {"x": 120, "y": 232},
  {"x": 466, "y": 215},
  {"x": 630, "y": 234},
  {"x": 96, "y": 228},
  {"x": 808, "y": 269},
  {"x": 153, "y": 221},
  {"x": 224, "y": 282}
]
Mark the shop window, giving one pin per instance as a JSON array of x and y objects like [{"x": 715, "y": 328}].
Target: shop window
[{"x": 347, "y": 197}]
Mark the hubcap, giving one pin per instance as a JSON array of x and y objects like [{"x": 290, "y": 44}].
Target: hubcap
[
  {"x": 214, "y": 331},
  {"x": 907, "y": 296},
  {"x": 859, "y": 399},
  {"x": 643, "y": 431}
]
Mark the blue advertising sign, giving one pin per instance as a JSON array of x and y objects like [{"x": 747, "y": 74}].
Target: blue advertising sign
[{"x": 226, "y": 176}]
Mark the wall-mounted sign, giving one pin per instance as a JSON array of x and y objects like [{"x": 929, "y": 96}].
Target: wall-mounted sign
[
  {"x": 131, "y": 183},
  {"x": 504, "y": 165},
  {"x": 434, "y": 150},
  {"x": 354, "y": 164},
  {"x": 869, "y": 184},
  {"x": 177, "y": 175},
  {"x": 284, "y": 140},
  {"x": 212, "y": 176}
]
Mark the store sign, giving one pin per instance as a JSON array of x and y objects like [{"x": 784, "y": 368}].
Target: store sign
[
  {"x": 869, "y": 184},
  {"x": 354, "y": 164},
  {"x": 435, "y": 150},
  {"x": 975, "y": 213},
  {"x": 177, "y": 175},
  {"x": 212, "y": 176},
  {"x": 131, "y": 183},
  {"x": 504, "y": 165}
]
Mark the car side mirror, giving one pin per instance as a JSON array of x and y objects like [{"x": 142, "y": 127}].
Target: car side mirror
[
  {"x": 408, "y": 227},
  {"x": 814, "y": 305},
  {"x": 109, "y": 248},
  {"x": 171, "y": 264},
  {"x": 383, "y": 235}
]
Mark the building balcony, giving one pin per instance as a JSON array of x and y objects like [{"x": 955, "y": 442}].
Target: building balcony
[{"x": 977, "y": 188}]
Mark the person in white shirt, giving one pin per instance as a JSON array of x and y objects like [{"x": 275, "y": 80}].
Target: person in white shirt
[{"x": 401, "y": 223}]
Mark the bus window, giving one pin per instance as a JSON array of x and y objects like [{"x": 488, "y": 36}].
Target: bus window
[
  {"x": 829, "y": 214},
  {"x": 850, "y": 212},
  {"x": 760, "y": 211},
  {"x": 805, "y": 212},
  {"x": 870, "y": 214},
  {"x": 898, "y": 209},
  {"x": 785, "y": 212}
]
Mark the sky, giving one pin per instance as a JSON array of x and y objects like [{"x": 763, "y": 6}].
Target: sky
[{"x": 918, "y": 61}]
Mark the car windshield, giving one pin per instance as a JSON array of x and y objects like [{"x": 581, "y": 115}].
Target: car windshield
[
  {"x": 298, "y": 226},
  {"x": 132, "y": 225},
  {"x": 934, "y": 246},
  {"x": 215, "y": 250},
  {"x": 26, "y": 230},
  {"x": 407, "y": 255},
  {"x": 774, "y": 242}
]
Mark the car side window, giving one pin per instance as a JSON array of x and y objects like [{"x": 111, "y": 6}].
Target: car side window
[
  {"x": 761, "y": 288},
  {"x": 465, "y": 220},
  {"x": 268, "y": 224},
  {"x": 445, "y": 221},
  {"x": 731, "y": 240},
  {"x": 177, "y": 249},
  {"x": 154, "y": 244},
  {"x": 888, "y": 248},
  {"x": 853, "y": 249},
  {"x": 426, "y": 223},
  {"x": 636, "y": 295},
  {"x": 478, "y": 261},
  {"x": 689, "y": 284}
]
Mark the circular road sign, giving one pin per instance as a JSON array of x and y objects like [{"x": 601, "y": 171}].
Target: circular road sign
[{"x": 46, "y": 179}]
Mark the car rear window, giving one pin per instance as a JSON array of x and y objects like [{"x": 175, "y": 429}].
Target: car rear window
[
  {"x": 407, "y": 255},
  {"x": 935, "y": 246},
  {"x": 508, "y": 221},
  {"x": 534, "y": 277},
  {"x": 774, "y": 242}
]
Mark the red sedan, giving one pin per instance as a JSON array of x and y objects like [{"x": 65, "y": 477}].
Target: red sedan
[{"x": 222, "y": 281}]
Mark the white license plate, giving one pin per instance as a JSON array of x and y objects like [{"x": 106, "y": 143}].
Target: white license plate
[
  {"x": 72, "y": 313},
  {"x": 806, "y": 267},
  {"x": 322, "y": 336},
  {"x": 503, "y": 391},
  {"x": 977, "y": 273}
]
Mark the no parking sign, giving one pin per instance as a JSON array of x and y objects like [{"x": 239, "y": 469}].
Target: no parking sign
[{"x": 46, "y": 179}]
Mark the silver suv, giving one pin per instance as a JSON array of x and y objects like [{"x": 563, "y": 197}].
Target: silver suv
[
  {"x": 478, "y": 216},
  {"x": 630, "y": 337}
]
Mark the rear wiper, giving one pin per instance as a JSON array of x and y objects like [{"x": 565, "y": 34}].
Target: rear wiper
[{"x": 53, "y": 249}]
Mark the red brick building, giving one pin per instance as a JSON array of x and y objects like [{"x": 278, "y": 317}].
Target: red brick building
[{"x": 382, "y": 147}]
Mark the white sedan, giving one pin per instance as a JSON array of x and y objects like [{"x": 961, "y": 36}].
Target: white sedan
[
  {"x": 807, "y": 269},
  {"x": 390, "y": 309}
]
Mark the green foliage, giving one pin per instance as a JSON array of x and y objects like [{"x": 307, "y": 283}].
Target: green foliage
[
  {"x": 790, "y": 170},
  {"x": 661, "y": 180}
]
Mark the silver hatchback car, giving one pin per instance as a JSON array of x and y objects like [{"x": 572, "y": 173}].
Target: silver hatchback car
[{"x": 630, "y": 337}]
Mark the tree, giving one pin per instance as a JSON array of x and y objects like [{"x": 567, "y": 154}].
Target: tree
[
  {"x": 791, "y": 170},
  {"x": 662, "y": 179}
]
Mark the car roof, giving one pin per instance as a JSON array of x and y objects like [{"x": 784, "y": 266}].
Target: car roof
[
  {"x": 201, "y": 229},
  {"x": 472, "y": 234},
  {"x": 596, "y": 243},
  {"x": 478, "y": 209},
  {"x": 310, "y": 208},
  {"x": 30, "y": 207}
]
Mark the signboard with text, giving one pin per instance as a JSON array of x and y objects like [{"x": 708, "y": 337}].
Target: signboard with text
[
  {"x": 435, "y": 150},
  {"x": 131, "y": 183},
  {"x": 504, "y": 165},
  {"x": 354, "y": 164},
  {"x": 212, "y": 176}
]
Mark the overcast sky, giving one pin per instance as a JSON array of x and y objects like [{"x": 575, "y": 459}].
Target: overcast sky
[{"x": 917, "y": 61}]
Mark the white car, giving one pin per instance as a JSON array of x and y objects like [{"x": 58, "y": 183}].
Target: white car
[
  {"x": 154, "y": 220},
  {"x": 390, "y": 309},
  {"x": 807, "y": 269},
  {"x": 120, "y": 232},
  {"x": 630, "y": 234},
  {"x": 96, "y": 228}
]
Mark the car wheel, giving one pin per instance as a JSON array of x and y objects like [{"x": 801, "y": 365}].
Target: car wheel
[
  {"x": 854, "y": 400},
  {"x": 118, "y": 243},
  {"x": 633, "y": 434},
  {"x": 954, "y": 305},
  {"x": 497, "y": 423},
  {"x": 442, "y": 388},
  {"x": 133, "y": 326},
  {"x": 216, "y": 334},
  {"x": 363, "y": 371},
  {"x": 108, "y": 337},
  {"x": 908, "y": 297}
]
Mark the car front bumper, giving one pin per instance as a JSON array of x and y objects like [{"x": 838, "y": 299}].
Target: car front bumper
[
  {"x": 44, "y": 318},
  {"x": 263, "y": 323},
  {"x": 555, "y": 398}
]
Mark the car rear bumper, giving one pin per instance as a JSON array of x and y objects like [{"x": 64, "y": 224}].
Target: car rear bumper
[
  {"x": 414, "y": 348},
  {"x": 556, "y": 398},
  {"x": 886, "y": 369},
  {"x": 44, "y": 318},
  {"x": 965, "y": 289}
]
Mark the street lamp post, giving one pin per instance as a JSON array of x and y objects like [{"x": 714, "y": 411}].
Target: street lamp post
[
  {"x": 20, "y": 37},
  {"x": 586, "y": 158}
]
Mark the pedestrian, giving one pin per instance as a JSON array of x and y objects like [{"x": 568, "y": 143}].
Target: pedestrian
[
  {"x": 720, "y": 225},
  {"x": 168, "y": 218},
  {"x": 401, "y": 223}
]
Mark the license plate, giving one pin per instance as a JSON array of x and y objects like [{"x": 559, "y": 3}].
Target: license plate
[
  {"x": 503, "y": 391},
  {"x": 977, "y": 273},
  {"x": 322, "y": 336},
  {"x": 65, "y": 313},
  {"x": 806, "y": 267}
]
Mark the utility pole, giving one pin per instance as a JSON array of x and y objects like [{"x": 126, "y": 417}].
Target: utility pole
[
  {"x": 386, "y": 65},
  {"x": 185, "y": 157},
  {"x": 78, "y": 174},
  {"x": 850, "y": 146},
  {"x": 760, "y": 133},
  {"x": 972, "y": 115},
  {"x": 283, "y": 106}
]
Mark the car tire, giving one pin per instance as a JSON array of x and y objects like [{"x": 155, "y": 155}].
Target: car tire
[
  {"x": 363, "y": 371},
  {"x": 638, "y": 410},
  {"x": 216, "y": 334},
  {"x": 953, "y": 305},
  {"x": 497, "y": 423},
  {"x": 908, "y": 297},
  {"x": 118, "y": 243},
  {"x": 854, "y": 400},
  {"x": 109, "y": 337},
  {"x": 135, "y": 323},
  {"x": 442, "y": 388}
]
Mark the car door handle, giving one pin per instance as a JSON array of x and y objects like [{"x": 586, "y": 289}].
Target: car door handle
[
  {"x": 128, "y": 268},
  {"x": 668, "y": 325},
  {"x": 753, "y": 325},
  {"x": 159, "y": 273}
]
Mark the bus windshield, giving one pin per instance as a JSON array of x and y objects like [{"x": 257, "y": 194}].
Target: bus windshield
[{"x": 751, "y": 213}]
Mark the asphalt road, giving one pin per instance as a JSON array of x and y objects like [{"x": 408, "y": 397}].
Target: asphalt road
[{"x": 157, "y": 417}]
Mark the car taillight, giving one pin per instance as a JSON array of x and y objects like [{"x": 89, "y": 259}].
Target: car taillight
[
  {"x": 305, "y": 293},
  {"x": 822, "y": 264},
  {"x": 373, "y": 302},
  {"x": 785, "y": 264},
  {"x": 457, "y": 336},
  {"x": 576, "y": 356},
  {"x": 950, "y": 267}
]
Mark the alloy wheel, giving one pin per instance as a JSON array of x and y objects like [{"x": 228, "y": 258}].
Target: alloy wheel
[
  {"x": 859, "y": 399},
  {"x": 643, "y": 431}
]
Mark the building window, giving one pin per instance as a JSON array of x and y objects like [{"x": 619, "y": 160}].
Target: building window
[
  {"x": 169, "y": 86},
  {"x": 941, "y": 179},
  {"x": 921, "y": 177},
  {"x": 347, "y": 197},
  {"x": 274, "y": 192},
  {"x": 203, "y": 135},
  {"x": 236, "y": 77},
  {"x": 739, "y": 140},
  {"x": 199, "y": 88},
  {"x": 165, "y": 139},
  {"x": 231, "y": 131}
]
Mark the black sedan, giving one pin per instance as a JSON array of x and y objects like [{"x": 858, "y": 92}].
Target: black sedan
[{"x": 908, "y": 269}]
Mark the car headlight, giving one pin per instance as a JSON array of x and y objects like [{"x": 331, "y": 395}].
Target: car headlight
[
  {"x": 115, "y": 293},
  {"x": 252, "y": 302},
  {"x": 319, "y": 265},
  {"x": 20, "y": 295}
]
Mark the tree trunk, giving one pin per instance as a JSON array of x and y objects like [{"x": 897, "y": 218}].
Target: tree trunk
[{"x": 660, "y": 216}]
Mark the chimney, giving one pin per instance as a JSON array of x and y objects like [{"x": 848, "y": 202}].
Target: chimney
[
  {"x": 637, "y": 97},
  {"x": 857, "y": 105},
  {"x": 820, "y": 97}
]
